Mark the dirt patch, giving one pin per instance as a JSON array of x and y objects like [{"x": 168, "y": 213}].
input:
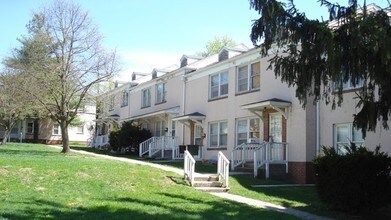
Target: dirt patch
[
  {"x": 83, "y": 175},
  {"x": 4, "y": 172}
]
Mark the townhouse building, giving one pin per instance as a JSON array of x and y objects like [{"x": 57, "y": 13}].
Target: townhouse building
[
  {"x": 231, "y": 102},
  {"x": 45, "y": 130}
]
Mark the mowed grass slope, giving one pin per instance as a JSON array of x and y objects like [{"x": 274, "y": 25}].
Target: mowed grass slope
[{"x": 37, "y": 182}]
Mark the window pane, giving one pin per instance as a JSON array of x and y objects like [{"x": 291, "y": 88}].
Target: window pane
[
  {"x": 342, "y": 133},
  {"x": 214, "y": 92},
  {"x": 214, "y": 80},
  {"x": 223, "y": 139},
  {"x": 242, "y": 126},
  {"x": 223, "y": 128},
  {"x": 242, "y": 85},
  {"x": 357, "y": 135},
  {"x": 214, "y": 128},
  {"x": 223, "y": 78},
  {"x": 213, "y": 140},
  {"x": 224, "y": 89}
]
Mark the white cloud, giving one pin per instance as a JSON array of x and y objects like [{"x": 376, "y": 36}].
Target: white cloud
[{"x": 144, "y": 61}]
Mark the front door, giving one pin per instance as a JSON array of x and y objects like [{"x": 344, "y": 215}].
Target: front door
[
  {"x": 275, "y": 136},
  {"x": 275, "y": 128}
]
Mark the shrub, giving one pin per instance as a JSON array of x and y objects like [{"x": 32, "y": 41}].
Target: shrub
[
  {"x": 128, "y": 136},
  {"x": 357, "y": 181}
]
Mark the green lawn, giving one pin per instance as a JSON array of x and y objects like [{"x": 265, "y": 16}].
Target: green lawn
[{"x": 37, "y": 182}]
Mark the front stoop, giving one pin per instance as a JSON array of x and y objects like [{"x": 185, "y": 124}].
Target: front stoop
[{"x": 209, "y": 183}]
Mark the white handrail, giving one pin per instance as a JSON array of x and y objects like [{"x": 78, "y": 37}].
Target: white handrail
[
  {"x": 270, "y": 152},
  {"x": 243, "y": 153},
  {"x": 189, "y": 166},
  {"x": 260, "y": 157},
  {"x": 223, "y": 168},
  {"x": 144, "y": 146}
]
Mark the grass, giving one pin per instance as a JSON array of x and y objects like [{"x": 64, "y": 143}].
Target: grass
[
  {"x": 302, "y": 198},
  {"x": 37, "y": 182}
]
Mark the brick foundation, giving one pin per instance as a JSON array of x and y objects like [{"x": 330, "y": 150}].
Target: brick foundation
[{"x": 301, "y": 172}]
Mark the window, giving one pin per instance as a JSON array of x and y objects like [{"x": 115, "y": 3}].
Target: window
[
  {"x": 197, "y": 134},
  {"x": 248, "y": 77},
  {"x": 348, "y": 85},
  {"x": 247, "y": 130},
  {"x": 346, "y": 133},
  {"x": 125, "y": 98},
  {"x": 56, "y": 129},
  {"x": 159, "y": 128},
  {"x": 111, "y": 104},
  {"x": 80, "y": 130},
  {"x": 218, "y": 134},
  {"x": 146, "y": 98},
  {"x": 160, "y": 92},
  {"x": 219, "y": 85},
  {"x": 30, "y": 127},
  {"x": 173, "y": 128}
]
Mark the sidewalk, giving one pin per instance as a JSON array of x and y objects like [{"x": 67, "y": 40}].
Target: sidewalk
[{"x": 228, "y": 196}]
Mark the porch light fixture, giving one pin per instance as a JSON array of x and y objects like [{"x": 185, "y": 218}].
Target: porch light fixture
[
  {"x": 203, "y": 135},
  {"x": 166, "y": 130}
]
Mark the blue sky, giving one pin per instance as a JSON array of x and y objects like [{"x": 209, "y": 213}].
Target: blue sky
[{"x": 152, "y": 33}]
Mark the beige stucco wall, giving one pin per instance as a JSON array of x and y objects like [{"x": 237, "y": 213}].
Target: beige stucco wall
[
  {"x": 344, "y": 114},
  {"x": 301, "y": 148}
]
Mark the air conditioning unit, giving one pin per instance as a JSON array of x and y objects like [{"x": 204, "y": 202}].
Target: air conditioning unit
[{"x": 253, "y": 141}]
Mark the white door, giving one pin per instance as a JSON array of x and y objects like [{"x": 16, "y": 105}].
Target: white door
[{"x": 275, "y": 134}]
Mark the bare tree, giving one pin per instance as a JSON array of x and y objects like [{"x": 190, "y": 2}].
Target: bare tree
[{"x": 67, "y": 61}]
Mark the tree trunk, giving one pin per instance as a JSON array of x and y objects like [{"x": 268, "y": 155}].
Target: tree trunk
[
  {"x": 7, "y": 133},
  {"x": 65, "y": 138}
]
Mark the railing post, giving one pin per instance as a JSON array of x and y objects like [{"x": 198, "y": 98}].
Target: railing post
[{"x": 267, "y": 161}]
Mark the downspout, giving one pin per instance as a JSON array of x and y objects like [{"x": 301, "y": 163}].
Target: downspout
[
  {"x": 183, "y": 105},
  {"x": 317, "y": 128}
]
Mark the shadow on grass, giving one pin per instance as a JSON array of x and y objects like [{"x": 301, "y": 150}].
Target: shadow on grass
[
  {"x": 174, "y": 207},
  {"x": 6, "y": 151}
]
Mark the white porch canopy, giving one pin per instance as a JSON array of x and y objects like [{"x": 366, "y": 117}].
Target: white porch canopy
[
  {"x": 279, "y": 105},
  {"x": 195, "y": 117},
  {"x": 107, "y": 120},
  {"x": 174, "y": 111}
]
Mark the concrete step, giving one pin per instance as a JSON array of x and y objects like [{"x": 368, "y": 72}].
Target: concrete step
[
  {"x": 206, "y": 178},
  {"x": 212, "y": 189},
  {"x": 207, "y": 184}
]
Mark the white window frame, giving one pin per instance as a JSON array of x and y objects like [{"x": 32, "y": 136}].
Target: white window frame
[
  {"x": 160, "y": 93},
  {"x": 125, "y": 98},
  {"x": 348, "y": 85},
  {"x": 173, "y": 128},
  {"x": 160, "y": 128},
  {"x": 111, "y": 104},
  {"x": 219, "y": 134},
  {"x": 249, "y": 78},
  {"x": 350, "y": 137},
  {"x": 197, "y": 134},
  {"x": 249, "y": 131},
  {"x": 80, "y": 129},
  {"x": 219, "y": 85},
  {"x": 146, "y": 98},
  {"x": 56, "y": 130}
]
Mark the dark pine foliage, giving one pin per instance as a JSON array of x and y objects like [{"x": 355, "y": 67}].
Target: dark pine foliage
[
  {"x": 355, "y": 182},
  {"x": 128, "y": 136},
  {"x": 310, "y": 54}
]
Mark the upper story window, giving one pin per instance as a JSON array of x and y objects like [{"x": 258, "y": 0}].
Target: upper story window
[
  {"x": 80, "y": 129},
  {"x": 125, "y": 98},
  {"x": 346, "y": 133},
  {"x": 219, "y": 85},
  {"x": 160, "y": 93},
  {"x": 111, "y": 103},
  {"x": 218, "y": 134},
  {"x": 146, "y": 98},
  {"x": 248, "y": 77}
]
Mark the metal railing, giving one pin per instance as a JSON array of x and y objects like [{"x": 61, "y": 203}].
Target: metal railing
[
  {"x": 223, "y": 168},
  {"x": 260, "y": 157},
  {"x": 189, "y": 166},
  {"x": 145, "y": 146}
]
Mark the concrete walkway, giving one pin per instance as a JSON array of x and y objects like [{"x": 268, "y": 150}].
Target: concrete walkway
[{"x": 228, "y": 196}]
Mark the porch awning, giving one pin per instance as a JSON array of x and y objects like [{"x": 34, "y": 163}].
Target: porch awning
[
  {"x": 108, "y": 119},
  {"x": 174, "y": 111},
  {"x": 276, "y": 104},
  {"x": 195, "y": 117}
]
